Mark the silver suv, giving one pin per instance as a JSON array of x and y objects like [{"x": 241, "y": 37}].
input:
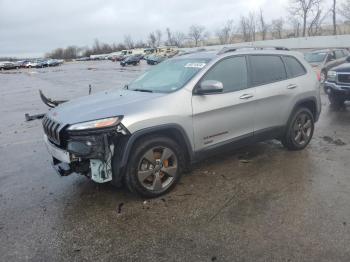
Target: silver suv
[{"x": 181, "y": 111}]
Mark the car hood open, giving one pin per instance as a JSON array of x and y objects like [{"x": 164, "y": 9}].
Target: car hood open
[{"x": 101, "y": 105}]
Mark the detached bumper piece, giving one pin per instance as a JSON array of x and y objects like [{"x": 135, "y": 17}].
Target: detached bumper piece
[{"x": 63, "y": 169}]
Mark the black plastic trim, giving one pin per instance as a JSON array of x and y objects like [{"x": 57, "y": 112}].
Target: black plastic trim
[{"x": 129, "y": 144}]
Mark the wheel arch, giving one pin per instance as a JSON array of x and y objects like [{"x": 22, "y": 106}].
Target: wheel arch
[
  {"x": 173, "y": 131},
  {"x": 309, "y": 103}
]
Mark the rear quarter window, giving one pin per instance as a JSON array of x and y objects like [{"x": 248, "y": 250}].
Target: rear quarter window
[
  {"x": 266, "y": 69},
  {"x": 294, "y": 67}
]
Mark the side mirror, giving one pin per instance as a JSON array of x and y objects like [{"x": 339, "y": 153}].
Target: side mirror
[
  {"x": 209, "y": 87},
  {"x": 348, "y": 59}
]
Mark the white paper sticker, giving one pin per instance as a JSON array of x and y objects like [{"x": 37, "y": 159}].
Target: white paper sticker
[{"x": 195, "y": 65}]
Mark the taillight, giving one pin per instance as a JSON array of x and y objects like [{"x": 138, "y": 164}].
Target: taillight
[{"x": 318, "y": 74}]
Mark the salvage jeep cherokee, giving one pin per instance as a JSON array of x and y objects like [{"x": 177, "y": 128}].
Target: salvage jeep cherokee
[{"x": 182, "y": 110}]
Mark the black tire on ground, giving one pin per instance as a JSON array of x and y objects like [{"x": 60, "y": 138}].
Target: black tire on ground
[
  {"x": 296, "y": 129},
  {"x": 138, "y": 160},
  {"x": 336, "y": 99}
]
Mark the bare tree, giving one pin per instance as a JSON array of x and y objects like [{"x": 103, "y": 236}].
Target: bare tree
[
  {"x": 225, "y": 34},
  {"x": 159, "y": 37},
  {"x": 196, "y": 33},
  {"x": 170, "y": 40},
  {"x": 334, "y": 16},
  {"x": 152, "y": 39},
  {"x": 129, "y": 43},
  {"x": 303, "y": 8},
  {"x": 316, "y": 22},
  {"x": 248, "y": 27},
  {"x": 252, "y": 25},
  {"x": 262, "y": 25},
  {"x": 344, "y": 10},
  {"x": 179, "y": 38},
  {"x": 244, "y": 29},
  {"x": 295, "y": 23},
  {"x": 277, "y": 28}
]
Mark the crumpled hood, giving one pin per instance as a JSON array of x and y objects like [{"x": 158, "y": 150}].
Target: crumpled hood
[{"x": 101, "y": 105}]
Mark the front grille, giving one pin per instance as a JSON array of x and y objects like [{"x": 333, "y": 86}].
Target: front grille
[
  {"x": 344, "y": 78},
  {"x": 52, "y": 129}
]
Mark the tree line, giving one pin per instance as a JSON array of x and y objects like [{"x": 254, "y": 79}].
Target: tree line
[{"x": 305, "y": 18}]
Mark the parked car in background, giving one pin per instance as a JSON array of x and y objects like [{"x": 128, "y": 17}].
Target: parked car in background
[
  {"x": 52, "y": 62},
  {"x": 323, "y": 60},
  {"x": 83, "y": 59},
  {"x": 21, "y": 64},
  {"x": 7, "y": 65},
  {"x": 155, "y": 59},
  {"x": 131, "y": 60},
  {"x": 185, "y": 109},
  {"x": 337, "y": 84},
  {"x": 34, "y": 64}
]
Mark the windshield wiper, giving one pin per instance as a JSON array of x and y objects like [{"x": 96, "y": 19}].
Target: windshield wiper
[{"x": 142, "y": 90}]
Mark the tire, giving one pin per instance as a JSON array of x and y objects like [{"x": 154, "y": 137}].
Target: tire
[
  {"x": 149, "y": 175},
  {"x": 335, "y": 100},
  {"x": 300, "y": 129}
]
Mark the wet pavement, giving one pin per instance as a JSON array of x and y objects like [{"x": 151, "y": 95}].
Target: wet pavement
[{"x": 260, "y": 203}]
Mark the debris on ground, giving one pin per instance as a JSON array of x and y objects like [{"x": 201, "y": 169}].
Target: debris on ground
[
  {"x": 33, "y": 117},
  {"x": 330, "y": 140},
  {"x": 120, "y": 207}
]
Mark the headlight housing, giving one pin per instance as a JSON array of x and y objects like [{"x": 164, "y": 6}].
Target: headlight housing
[
  {"x": 331, "y": 76},
  {"x": 96, "y": 124}
]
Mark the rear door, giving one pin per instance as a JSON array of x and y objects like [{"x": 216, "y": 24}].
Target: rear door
[
  {"x": 274, "y": 91},
  {"x": 228, "y": 116}
]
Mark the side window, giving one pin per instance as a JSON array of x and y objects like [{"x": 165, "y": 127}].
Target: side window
[
  {"x": 267, "y": 69},
  {"x": 232, "y": 72},
  {"x": 294, "y": 67},
  {"x": 338, "y": 54}
]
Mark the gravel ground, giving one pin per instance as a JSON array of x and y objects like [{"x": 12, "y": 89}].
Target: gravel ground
[{"x": 260, "y": 203}]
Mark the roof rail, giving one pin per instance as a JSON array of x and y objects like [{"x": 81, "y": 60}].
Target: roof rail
[
  {"x": 234, "y": 49},
  {"x": 192, "y": 51}
]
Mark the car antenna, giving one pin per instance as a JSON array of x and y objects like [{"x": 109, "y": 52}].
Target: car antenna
[{"x": 89, "y": 89}]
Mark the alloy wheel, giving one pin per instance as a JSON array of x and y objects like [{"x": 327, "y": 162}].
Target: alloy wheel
[
  {"x": 302, "y": 129},
  {"x": 157, "y": 169}
]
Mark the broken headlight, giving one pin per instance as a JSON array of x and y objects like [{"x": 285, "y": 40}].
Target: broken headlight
[{"x": 97, "y": 124}]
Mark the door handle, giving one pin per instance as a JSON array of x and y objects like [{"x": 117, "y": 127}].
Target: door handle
[
  {"x": 292, "y": 86},
  {"x": 246, "y": 96}
]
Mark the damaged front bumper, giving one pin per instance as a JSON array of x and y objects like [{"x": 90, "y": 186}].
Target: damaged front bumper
[{"x": 88, "y": 153}]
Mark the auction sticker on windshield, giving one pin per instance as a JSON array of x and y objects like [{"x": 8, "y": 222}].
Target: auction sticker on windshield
[{"x": 195, "y": 65}]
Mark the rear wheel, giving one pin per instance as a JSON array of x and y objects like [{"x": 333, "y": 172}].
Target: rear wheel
[
  {"x": 155, "y": 166},
  {"x": 299, "y": 130}
]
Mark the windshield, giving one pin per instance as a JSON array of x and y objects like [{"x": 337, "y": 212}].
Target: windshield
[
  {"x": 315, "y": 57},
  {"x": 168, "y": 76}
]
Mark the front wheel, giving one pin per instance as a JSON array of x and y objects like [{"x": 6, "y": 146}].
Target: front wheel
[
  {"x": 299, "y": 130},
  {"x": 155, "y": 166}
]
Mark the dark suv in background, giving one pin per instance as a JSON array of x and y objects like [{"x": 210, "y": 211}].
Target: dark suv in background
[
  {"x": 323, "y": 60},
  {"x": 337, "y": 85}
]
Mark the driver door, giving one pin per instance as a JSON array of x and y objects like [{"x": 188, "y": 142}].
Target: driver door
[{"x": 227, "y": 116}]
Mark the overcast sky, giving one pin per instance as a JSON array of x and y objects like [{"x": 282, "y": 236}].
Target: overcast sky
[{"x": 33, "y": 27}]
